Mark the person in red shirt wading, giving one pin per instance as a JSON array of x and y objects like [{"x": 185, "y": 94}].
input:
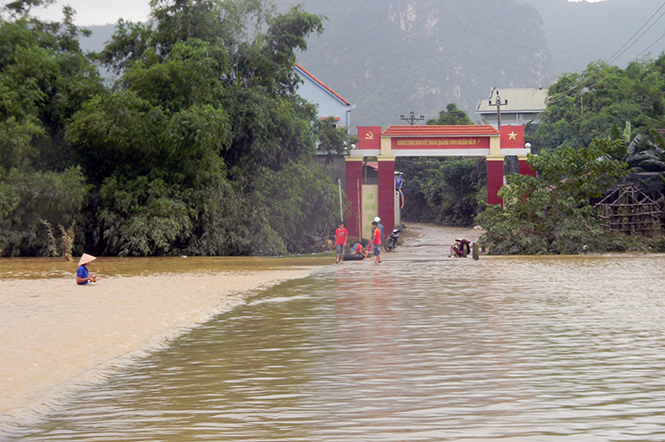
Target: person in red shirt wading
[
  {"x": 341, "y": 236},
  {"x": 376, "y": 240}
]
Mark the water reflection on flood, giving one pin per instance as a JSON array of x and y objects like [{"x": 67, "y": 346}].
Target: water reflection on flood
[{"x": 528, "y": 349}]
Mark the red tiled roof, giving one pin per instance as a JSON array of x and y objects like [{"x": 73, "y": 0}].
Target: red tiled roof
[
  {"x": 322, "y": 84},
  {"x": 438, "y": 131}
]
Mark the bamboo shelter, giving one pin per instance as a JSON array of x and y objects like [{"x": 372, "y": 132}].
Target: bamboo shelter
[{"x": 629, "y": 210}]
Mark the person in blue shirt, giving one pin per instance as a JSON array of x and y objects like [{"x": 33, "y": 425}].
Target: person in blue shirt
[{"x": 82, "y": 276}]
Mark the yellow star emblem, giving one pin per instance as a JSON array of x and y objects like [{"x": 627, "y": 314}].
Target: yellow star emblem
[{"x": 512, "y": 136}]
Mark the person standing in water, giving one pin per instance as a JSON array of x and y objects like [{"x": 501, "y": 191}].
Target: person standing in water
[
  {"x": 341, "y": 236},
  {"x": 376, "y": 240},
  {"x": 82, "y": 276},
  {"x": 380, "y": 226}
]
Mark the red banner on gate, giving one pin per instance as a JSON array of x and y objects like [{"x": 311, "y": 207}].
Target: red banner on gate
[
  {"x": 369, "y": 137},
  {"x": 440, "y": 143}
]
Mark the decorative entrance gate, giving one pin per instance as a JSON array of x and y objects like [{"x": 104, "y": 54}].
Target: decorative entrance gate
[{"x": 420, "y": 141}]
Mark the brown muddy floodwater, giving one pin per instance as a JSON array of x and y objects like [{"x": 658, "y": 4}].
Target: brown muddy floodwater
[
  {"x": 55, "y": 335},
  {"x": 504, "y": 348}
]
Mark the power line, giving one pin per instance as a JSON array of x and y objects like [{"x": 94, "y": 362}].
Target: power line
[
  {"x": 562, "y": 95},
  {"x": 637, "y": 32},
  {"x": 614, "y": 57},
  {"x": 648, "y": 47}
]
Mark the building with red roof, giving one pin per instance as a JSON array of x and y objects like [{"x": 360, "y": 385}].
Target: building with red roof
[{"x": 329, "y": 103}]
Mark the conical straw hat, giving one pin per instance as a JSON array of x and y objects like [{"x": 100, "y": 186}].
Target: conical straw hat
[{"x": 86, "y": 259}]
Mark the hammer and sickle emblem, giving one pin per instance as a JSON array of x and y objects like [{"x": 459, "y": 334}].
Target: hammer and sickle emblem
[{"x": 369, "y": 136}]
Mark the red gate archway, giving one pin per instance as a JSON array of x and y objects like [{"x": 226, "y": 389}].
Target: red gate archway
[{"x": 396, "y": 141}]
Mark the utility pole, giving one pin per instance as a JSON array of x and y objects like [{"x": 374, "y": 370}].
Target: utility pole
[
  {"x": 412, "y": 119},
  {"x": 498, "y": 105}
]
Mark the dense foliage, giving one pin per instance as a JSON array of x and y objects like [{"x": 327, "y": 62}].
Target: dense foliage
[
  {"x": 44, "y": 78},
  {"x": 587, "y": 105},
  {"x": 552, "y": 214},
  {"x": 201, "y": 147},
  {"x": 597, "y": 130},
  {"x": 452, "y": 116},
  {"x": 446, "y": 190},
  {"x": 606, "y": 101}
]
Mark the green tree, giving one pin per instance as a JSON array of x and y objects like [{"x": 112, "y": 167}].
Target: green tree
[
  {"x": 552, "y": 214},
  {"x": 446, "y": 191},
  {"x": 585, "y": 106},
  {"x": 44, "y": 79},
  {"x": 27, "y": 198},
  {"x": 203, "y": 120},
  {"x": 293, "y": 198},
  {"x": 200, "y": 147},
  {"x": 333, "y": 141},
  {"x": 451, "y": 116}
]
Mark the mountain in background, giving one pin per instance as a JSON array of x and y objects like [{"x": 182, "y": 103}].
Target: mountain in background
[
  {"x": 391, "y": 57},
  {"x": 394, "y": 57},
  {"x": 580, "y": 33}
]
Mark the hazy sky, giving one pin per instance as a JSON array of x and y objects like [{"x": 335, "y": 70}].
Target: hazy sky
[
  {"x": 97, "y": 12},
  {"x": 101, "y": 12}
]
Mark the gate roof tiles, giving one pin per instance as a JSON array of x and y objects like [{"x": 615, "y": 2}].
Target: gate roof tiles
[{"x": 439, "y": 131}]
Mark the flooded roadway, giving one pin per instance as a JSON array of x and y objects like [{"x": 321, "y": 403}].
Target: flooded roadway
[{"x": 510, "y": 348}]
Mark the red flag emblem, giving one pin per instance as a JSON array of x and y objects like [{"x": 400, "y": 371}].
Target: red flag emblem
[
  {"x": 512, "y": 137},
  {"x": 369, "y": 137}
]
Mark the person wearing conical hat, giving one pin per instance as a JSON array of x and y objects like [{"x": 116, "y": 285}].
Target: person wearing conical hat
[{"x": 82, "y": 276}]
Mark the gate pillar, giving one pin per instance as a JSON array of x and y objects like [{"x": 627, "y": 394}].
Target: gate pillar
[
  {"x": 387, "y": 192},
  {"x": 525, "y": 167},
  {"x": 354, "y": 174},
  {"x": 494, "y": 178}
]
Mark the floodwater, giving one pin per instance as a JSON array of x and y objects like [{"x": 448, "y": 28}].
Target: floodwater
[
  {"x": 503, "y": 348},
  {"x": 57, "y": 337}
]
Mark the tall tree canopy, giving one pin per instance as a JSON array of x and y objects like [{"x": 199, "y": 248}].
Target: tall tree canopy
[
  {"x": 627, "y": 105},
  {"x": 44, "y": 79},
  {"x": 201, "y": 145},
  {"x": 584, "y": 106}
]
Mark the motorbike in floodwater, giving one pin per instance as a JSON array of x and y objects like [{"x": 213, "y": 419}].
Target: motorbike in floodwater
[{"x": 391, "y": 242}]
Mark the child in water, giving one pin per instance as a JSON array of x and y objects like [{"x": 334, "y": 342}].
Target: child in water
[
  {"x": 358, "y": 250},
  {"x": 341, "y": 236},
  {"x": 376, "y": 240}
]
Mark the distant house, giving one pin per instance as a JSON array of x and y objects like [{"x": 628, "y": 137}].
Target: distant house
[
  {"x": 329, "y": 102},
  {"x": 523, "y": 106}
]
